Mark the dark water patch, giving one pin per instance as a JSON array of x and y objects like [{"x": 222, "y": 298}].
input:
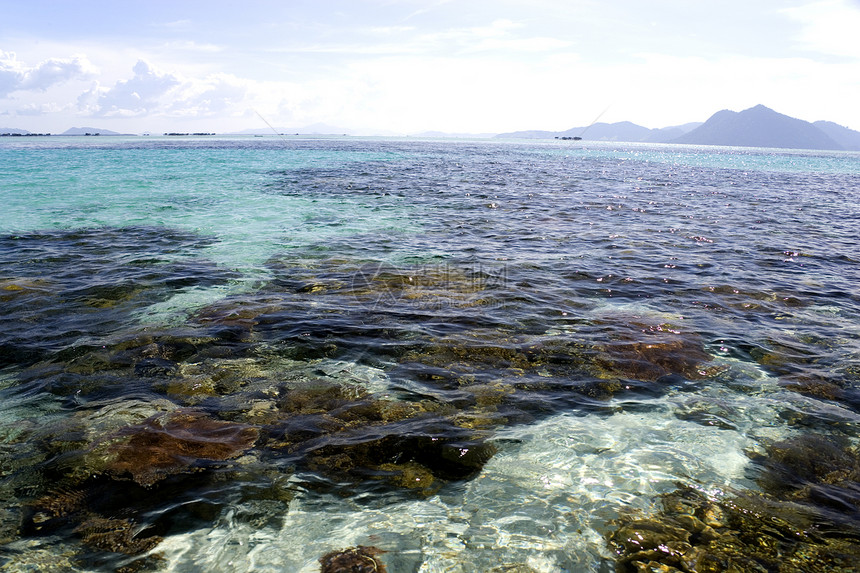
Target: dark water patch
[
  {"x": 823, "y": 384},
  {"x": 128, "y": 365},
  {"x": 113, "y": 520},
  {"x": 453, "y": 327},
  {"x": 64, "y": 286},
  {"x": 820, "y": 472}
]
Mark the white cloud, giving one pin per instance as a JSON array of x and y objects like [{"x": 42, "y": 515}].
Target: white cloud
[
  {"x": 11, "y": 73},
  {"x": 178, "y": 24},
  {"x": 218, "y": 94},
  {"x": 17, "y": 76},
  {"x": 138, "y": 96},
  {"x": 521, "y": 45},
  {"x": 391, "y": 30},
  {"x": 33, "y": 109},
  {"x": 151, "y": 92},
  {"x": 56, "y": 71},
  {"x": 484, "y": 92}
]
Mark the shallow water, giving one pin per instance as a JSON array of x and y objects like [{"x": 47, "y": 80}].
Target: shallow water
[{"x": 241, "y": 354}]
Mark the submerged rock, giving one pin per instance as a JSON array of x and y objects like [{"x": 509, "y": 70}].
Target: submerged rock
[
  {"x": 746, "y": 301},
  {"x": 172, "y": 443},
  {"x": 420, "y": 457},
  {"x": 88, "y": 283},
  {"x": 648, "y": 352},
  {"x": 79, "y": 512},
  {"x": 359, "y": 559},
  {"x": 115, "y": 535},
  {"x": 340, "y": 431},
  {"x": 819, "y": 472},
  {"x": 815, "y": 386},
  {"x": 695, "y": 534}
]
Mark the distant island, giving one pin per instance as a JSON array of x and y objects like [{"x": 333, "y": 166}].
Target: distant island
[
  {"x": 12, "y": 132},
  {"x": 92, "y": 131},
  {"x": 757, "y": 126}
]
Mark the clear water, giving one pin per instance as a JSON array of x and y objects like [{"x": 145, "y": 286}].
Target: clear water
[{"x": 503, "y": 293}]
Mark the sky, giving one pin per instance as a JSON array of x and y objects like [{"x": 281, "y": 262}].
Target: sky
[{"x": 408, "y": 66}]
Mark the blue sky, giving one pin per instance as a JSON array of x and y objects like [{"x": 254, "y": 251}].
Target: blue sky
[{"x": 404, "y": 66}]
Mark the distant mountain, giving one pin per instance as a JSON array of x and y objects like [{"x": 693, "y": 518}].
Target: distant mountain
[
  {"x": 13, "y": 131},
  {"x": 89, "y": 131},
  {"x": 758, "y": 126},
  {"x": 621, "y": 131},
  {"x": 847, "y": 138}
]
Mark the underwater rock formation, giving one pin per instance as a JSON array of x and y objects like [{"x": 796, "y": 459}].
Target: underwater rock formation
[
  {"x": 806, "y": 521},
  {"x": 76, "y": 511},
  {"x": 648, "y": 352},
  {"x": 822, "y": 473},
  {"x": 70, "y": 284},
  {"x": 341, "y": 432},
  {"x": 693, "y": 534},
  {"x": 115, "y": 535},
  {"x": 175, "y": 443},
  {"x": 359, "y": 559}
]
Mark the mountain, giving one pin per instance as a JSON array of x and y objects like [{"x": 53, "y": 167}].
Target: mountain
[
  {"x": 621, "y": 131},
  {"x": 627, "y": 131},
  {"x": 88, "y": 131},
  {"x": 847, "y": 138},
  {"x": 13, "y": 131},
  {"x": 758, "y": 126}
]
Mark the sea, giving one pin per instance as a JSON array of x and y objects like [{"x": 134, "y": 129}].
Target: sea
[{"x": 302, "y": 354}]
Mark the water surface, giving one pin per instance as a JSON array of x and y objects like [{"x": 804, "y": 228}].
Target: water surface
[{"x": 240, "y": 354}]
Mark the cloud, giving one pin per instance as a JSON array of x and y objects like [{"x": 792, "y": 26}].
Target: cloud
[
  {"x": 390, "y": 30},
  {"x": 138, "y": 96},
  {"x": 11, "y": 73},
  {"x": 151, "y": 92},
  {"x": 33, "y": 109},
  {"x": 56, "y": 71},
  {"x": 17, "y": 76},
  {"x": 217, "y": 94}
]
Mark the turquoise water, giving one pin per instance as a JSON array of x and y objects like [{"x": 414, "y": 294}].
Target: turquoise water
[{"x": 241, "y": 354}]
